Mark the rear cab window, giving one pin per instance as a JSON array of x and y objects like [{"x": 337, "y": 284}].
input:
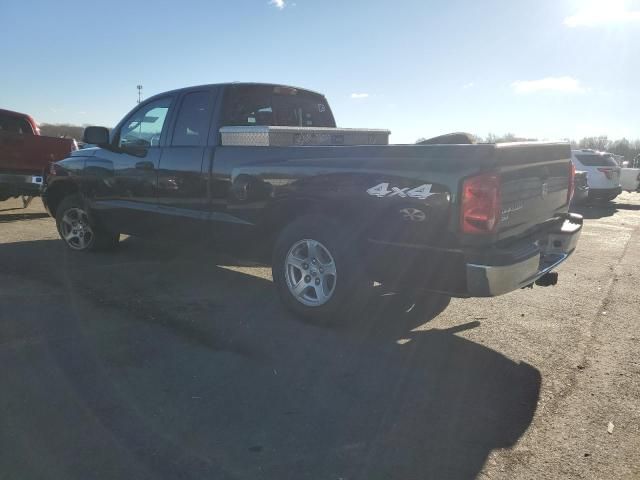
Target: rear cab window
[
  {"x": 11, "y": 124},
  {"x": 267, "y": 105}
]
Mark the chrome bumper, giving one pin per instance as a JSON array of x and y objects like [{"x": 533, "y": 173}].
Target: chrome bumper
[
  {"x": 490, "y": 281},
  {"x": 13, "y": 179}
]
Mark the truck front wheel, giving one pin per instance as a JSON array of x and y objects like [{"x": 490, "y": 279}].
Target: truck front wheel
[
  {"x": 317, "y": 271},
  {"x": 78, "y": 231}
]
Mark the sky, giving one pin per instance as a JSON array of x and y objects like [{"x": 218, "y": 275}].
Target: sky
[{"x": 539, "y": 69}]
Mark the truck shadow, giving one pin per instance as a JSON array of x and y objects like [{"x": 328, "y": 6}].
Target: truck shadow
[
  {"x": 627, "y": 206},
  {"x": 149, "y": 363},
  {"x": 15, "y": 217},
  {"x": 594, "y": 212}
]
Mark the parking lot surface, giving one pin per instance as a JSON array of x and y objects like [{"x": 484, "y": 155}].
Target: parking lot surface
[{"x": 164, "y": 361}]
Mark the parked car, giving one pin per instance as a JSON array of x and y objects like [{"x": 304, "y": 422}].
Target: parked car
[
  {"x": 266, "y": 162},
  {"x": 603, "y": 174},
  {"x": 581, "y": 194},
  {"x": 25, "y": 154}
]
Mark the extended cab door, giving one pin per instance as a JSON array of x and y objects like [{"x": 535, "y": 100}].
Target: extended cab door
[
  {"x": 123, "y": 190},
  {"x": 183, "y": 174}
]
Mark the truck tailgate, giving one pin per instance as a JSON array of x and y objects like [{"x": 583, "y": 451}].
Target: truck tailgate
[
  {"x": 31, "y": 154},
  {"x": 535, "y": 179}
]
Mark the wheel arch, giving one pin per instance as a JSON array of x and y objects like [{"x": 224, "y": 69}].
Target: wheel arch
[
  {"x": 56, "y": 193},
  {"x": 287, "y": 211}
]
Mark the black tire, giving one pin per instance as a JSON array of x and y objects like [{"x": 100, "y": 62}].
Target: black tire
[
  {"x": 350, "y": 287},
  {"x": 99, "y": 240}
]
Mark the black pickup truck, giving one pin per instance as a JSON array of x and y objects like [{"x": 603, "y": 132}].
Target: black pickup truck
[{"x": 338, "y": 208}]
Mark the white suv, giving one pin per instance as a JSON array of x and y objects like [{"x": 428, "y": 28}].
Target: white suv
[{"x": 603, "y": 173}]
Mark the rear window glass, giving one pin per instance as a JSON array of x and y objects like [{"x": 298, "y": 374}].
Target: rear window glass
[
  {"x": 16, "y": 125},
  {"x": 591, "y": 160},
  {"x": 250, "y": 105}
]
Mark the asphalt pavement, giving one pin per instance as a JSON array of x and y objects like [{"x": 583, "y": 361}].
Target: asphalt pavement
[{"x": 162, "y": 361}]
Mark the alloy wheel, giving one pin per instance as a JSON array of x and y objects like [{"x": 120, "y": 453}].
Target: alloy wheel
[{"x": 310, "y": 272}]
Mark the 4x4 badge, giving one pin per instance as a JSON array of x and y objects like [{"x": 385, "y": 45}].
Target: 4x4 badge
[{"x": 382, "y": 190}]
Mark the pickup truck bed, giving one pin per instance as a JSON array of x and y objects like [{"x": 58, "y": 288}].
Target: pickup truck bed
[
  {"x": 25, "y": 154},
  {"x": 465, "y": 220}
]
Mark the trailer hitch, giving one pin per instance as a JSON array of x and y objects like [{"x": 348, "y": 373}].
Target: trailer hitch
[{"x": 548, "y": 279}]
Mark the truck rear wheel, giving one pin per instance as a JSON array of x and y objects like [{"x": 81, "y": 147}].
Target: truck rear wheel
[
  {"x": 316, "y": 270},
  {"x": 78, "y": 231}
]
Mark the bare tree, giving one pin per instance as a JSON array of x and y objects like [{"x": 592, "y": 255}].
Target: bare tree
[
  {"x": 595, "y": 143},
  {"x": 506, "y": 138}
]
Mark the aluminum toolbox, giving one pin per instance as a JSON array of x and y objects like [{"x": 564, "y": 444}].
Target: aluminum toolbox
[{"x": 267, "y": 136}]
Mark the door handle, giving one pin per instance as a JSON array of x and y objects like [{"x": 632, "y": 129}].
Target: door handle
[{"x": 144, "y": 166}]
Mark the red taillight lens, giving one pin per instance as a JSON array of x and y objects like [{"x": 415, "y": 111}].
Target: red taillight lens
[
  {"x": 480, "y": 206},
  {"x": 572, "y": 182},
  {"x": 608, "y": 172}
]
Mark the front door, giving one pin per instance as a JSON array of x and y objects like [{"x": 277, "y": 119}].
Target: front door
[{"x": 124, "y": 193}]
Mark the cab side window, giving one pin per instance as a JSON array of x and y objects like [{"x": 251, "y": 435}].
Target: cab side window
[
  {"x": 144, "y": 128},
  {"x": 192, "y": 124}
]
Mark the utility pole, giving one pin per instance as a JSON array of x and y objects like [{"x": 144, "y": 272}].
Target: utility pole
[{"x": 139, "y": 93}]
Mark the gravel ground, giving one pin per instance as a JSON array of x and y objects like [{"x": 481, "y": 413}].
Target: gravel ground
[{"x": 161, "y": 362}]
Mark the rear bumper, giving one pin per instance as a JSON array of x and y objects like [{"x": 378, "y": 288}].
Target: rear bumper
[
  {"x": 20, "y": 184},
  {"x": 580, "y": 195},
  {"x": 484, "y": 273},
  {"x": 492, "y": 280},
  {"x": 609, "y": 193}
]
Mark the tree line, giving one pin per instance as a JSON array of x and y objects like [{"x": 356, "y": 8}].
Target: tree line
[
  {"x": 629, "y": 149},
  {"x": 62, "y": 130}
]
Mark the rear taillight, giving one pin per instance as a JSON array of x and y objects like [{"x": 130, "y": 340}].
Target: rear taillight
[
  {"x": 480, "y": 204},
  {"x": 572, "y": 182},
  {"x": 608, "y": 172}
]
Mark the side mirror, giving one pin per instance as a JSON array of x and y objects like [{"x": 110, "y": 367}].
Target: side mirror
[{"x": 96, "y": 135}]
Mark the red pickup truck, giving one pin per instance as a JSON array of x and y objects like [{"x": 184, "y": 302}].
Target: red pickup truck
[{"x": 25, "y": 154}]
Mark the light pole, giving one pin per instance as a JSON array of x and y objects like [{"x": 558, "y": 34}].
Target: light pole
[{"x": 139, "y": 93}]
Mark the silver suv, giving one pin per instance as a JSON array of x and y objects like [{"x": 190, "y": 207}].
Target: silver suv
[{"x": 603, "y": 173}]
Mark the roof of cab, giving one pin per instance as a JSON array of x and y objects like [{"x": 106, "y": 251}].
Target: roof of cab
[
  {"x": 14, "y": 114},
  {"x": 232, "y": 84}
]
